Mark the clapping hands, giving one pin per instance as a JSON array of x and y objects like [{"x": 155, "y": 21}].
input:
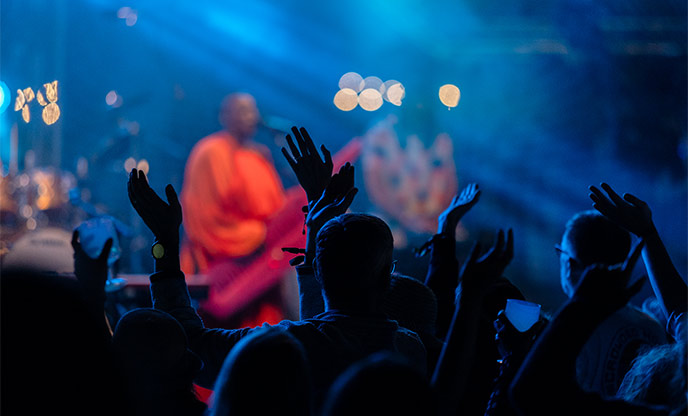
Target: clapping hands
[
  {"x": 479, "y": 273},
  {"x": 312, "y": 172},
  {"x": 335, "y": 200},
  {"x": 162, "y": 218}
]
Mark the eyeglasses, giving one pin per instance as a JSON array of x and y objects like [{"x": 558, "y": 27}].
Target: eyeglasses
[
  {"x": 561, "y": 251},
  {"x": 394, "y": 266}
]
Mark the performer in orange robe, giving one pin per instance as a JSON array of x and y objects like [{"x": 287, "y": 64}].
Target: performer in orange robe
[
  {"x": 237, "y": 217},
  {"x": 230, "y": 191}
]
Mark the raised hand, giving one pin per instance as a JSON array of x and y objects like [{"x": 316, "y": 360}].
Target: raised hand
[
  {"x": 91, "y": 273},
  {"x": 479, "y": 273},
  {"x": 512, "y": 342},
  {"x": 608, "y": 286},
  {"x": 312, "y": 172},
  {"x": 335, "y": 200},
  {"x": 459, "y": 206},
  {"x": 628, "y": 212},
  {"x": 162, "y": 218}
]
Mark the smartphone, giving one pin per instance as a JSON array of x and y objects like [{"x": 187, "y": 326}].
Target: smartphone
[{"x": 522, "y": 315}]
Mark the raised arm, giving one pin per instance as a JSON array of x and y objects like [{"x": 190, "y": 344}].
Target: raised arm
[
  {"x": 169, "y": 292},
  {"x": 546, "y": 382},
  {"x": 335, "y": 200},
  {"x": 92, "y": 275},
  {"x": 443, "y": 270},
  {"x": 635, "y": 216},
  {"x": 477, "y": 277}
]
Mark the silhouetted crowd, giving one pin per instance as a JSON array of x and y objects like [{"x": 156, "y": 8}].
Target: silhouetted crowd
[{"x": 369, "y": 341}]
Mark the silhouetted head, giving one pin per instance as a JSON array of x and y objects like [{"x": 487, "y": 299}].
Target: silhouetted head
[
  {"x": 411, "y": 303},
  {"x": 265, "y": 373},
  {"x": 353, "y": 261},
  {"x": 590, "y": 238},
  {"x": 239, "y": 115},
  {"x": 56, "y": 356},
  {"x": 153, "y": 350},
  {"x": 382, "y": 384}
]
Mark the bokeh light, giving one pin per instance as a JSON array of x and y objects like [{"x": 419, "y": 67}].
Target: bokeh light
[
  {"x": 123, "y": 12},
  {"x": 111, "y": 98},
  {"x": 26, "y": 114},
  {"x": 346, "y": 99},
  {"x": 131, "y": 19},
  {"x": 143, "y": 166},
  {"x": 372, "y": 83},
  {"x": 129, "y": 164},
  {"x": 351, "y": 80},
  {"x": 51, "y": 113},
  {"x": 450, "y": 95},
  {"x": 41, "y": 100},
  {"x": 51, "y": 91},
  {"x": 4, "y": 97},
  {"x": 370, "y": 99},
  {"x": 395, "y": 93}
]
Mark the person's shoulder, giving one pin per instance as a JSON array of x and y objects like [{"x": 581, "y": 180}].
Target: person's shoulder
[
  {"x": 212, "y": 141},
  {"x": 634, "y": 314}
]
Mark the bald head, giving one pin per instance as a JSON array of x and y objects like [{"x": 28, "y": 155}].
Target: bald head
[{"x": 239, "y": 115}]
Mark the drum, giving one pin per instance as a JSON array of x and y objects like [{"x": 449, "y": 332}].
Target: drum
[{"x": 43, "y": 250}]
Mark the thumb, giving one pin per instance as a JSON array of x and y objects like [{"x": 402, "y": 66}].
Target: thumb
[
  {"x": 172, "y": 198},
  {"x": 76, "y": 245},
  {"x": 106, "y": 250}
]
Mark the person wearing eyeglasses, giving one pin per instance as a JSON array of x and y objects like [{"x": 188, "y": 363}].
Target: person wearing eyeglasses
[{"x": 590, "y": 238}]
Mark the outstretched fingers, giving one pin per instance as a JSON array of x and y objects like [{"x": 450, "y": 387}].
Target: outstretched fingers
[
  {"x": 328, "y": 157},
  {"x": 634, "y": 200},
  {"x": 303, "y": 148},
  {"x": 294, "y": 150},
  {"x": 497, "y": 249},
  {"x": 612, "y": 195},
  {"x": 287, "y": 156},
  {"x": 308, "y": 142}
]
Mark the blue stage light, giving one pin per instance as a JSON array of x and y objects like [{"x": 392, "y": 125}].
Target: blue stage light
[{"x": 4, "y": 97}]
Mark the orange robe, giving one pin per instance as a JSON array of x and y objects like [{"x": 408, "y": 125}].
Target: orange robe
[{"x": 229, "y": 192}]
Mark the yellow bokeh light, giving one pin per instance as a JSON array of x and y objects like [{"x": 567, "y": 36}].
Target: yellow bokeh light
[
  {"x": 26, "y": 115},
  {"x": 346, "y": 99},
  {"x": 129, "y": 164},
  {"x": 31, "y": 224},
  {"x": 450, "y": 95},
  {"x": 395, "y": 93},
  {"x": 143, "y": 166},
  {"x": 351, "y": 80},
  {"x": 28, "y": 94},
  {"x": 51, "y": 91},
  {"x": 370, "y": 99},
  {"x": 41, "y": 100},
  {"x": 51, "y": 113},
  {"x": 20, "y": 101}
]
